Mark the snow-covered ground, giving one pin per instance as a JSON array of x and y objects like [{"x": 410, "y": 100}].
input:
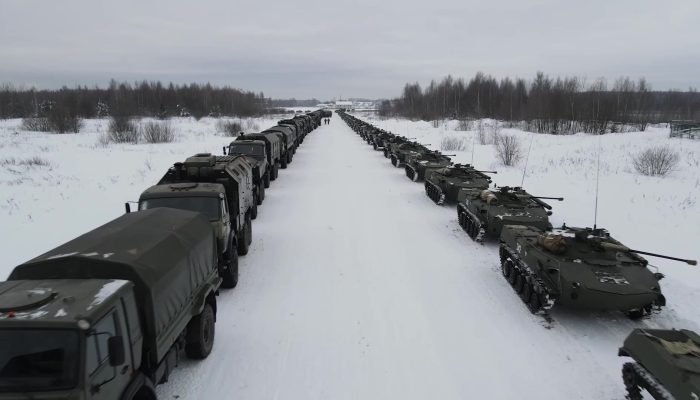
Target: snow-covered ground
[{"x": 357, "y": 285}]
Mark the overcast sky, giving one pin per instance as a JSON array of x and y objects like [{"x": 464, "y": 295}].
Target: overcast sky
[{"x": 327, "y": 49}]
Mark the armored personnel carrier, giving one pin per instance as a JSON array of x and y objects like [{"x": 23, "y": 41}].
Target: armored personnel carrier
[
  {"x": 666, "y": 364},
  {"x": 392, "y": 143},
  {"x": 379, "y": 140},
  {"x": 443, "y": 184},
  {"x": 579, "y": 268},
  {"x": 485, "y": 212},
  {"x": 418, "y": 164}
]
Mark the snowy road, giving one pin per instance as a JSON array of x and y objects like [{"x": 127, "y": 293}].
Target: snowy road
[{"x": 358, "y": 287}]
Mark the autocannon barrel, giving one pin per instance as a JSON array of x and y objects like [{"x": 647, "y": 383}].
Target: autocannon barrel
[
  {"x": 538, "y": 200},
  {"x": 619, "y": 247}
]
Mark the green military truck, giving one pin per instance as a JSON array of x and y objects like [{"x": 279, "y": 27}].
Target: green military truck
[
  {"x": 104, "y": 316},
  {"x": 256, "y": 152},
  {"x": 220, "y": 188},
  {"x": 290, "y": 139},
  {"x": 274, "y": 149}
]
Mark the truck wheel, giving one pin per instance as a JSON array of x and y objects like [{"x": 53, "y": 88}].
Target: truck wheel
[
  {"x": 200, "y": 334},
  {"x": 275, "y": 171},
  {"x": 230, "y": 271},
  {"x": 261, "y": 194},
  {"x": 289, "y": 158},
  {"x": 245, "y": 238},
  {"x": 266, "y": 180},
  {"x": 254, "y": 210},
  {"x": 283, "y": 161}
]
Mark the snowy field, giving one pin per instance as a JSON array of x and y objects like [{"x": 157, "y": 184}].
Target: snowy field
[{"x": 357, "y": 286}]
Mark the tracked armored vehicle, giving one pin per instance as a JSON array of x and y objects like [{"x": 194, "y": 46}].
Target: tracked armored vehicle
[
  {"x": 666, "y": 364},
  {"x": 485, "y": 212},
  {"x": 417, "y": 164},
  {"x": 401, "y": 152},
  {"x": 443, "y": 184},
  {"x": 578, "y": 268},
  {"x": 379, "y": 140}
]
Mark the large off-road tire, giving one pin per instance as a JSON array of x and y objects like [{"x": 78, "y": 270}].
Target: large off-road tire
[
  {"x": 245, "y": 237},
  {"x": 261, "y": 194},
  {"x": 283, "y": 161},
  {"x": 275, "y": 171},
  {"x": 230, "y": 268},
  {"x": 200, "y": 334},
  {"x": 290, "y": 156},
  {"x": 266, "y": 179},
  {"x": 254, "y": 209}
]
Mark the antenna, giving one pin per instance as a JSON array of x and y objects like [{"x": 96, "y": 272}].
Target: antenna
[
  {"x": 527, "y": 159},
  {"x": 473, "y": 143},
  {"x": 597, "y": 182}
]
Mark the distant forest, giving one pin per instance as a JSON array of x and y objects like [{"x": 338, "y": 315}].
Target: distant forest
[
  {"x": 124, "y": 99},
  {"x": 547, "y": 105}
]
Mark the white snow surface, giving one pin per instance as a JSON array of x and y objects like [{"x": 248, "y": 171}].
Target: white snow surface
[{"x": 357, "y": 285}]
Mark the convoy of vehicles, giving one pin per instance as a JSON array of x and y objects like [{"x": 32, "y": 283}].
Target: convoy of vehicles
[{"x": 106, "y": 315}]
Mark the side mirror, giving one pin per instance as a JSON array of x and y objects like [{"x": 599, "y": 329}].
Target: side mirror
[
  {"x": 115, "y": 347},
  {"x": 127, "y": 207}
]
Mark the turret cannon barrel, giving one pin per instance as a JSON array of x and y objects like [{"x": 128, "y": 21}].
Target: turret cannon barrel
[
  {"x": 538, "y": 200},
  {"x": 618, "y": 247}
]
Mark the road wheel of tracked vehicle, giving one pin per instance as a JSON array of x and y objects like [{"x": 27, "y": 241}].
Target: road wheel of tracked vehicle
[
  {"x": 275, "y": 171},
  {"x": 375, "y": 146},
  {"x": 507, "y": 268},
  {"x": 200, "y": 334},
  {"x": 266, "y": 179},
  {"x": 631, "y": 380},
  {"x": 527, "y": 291},
  {"x": 535, "y": 302},
  {"x": 635, "y": 314},
  {"x": 395, "y": 161},
  {"x": 519, "y": 281},
  {"x": 386, "y": 153},
  {"x": 230, "y": 272}
]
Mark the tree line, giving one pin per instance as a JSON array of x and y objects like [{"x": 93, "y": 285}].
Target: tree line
[
  {"x": 547, "y": 105},
  {"x": 124, "y": 99}
]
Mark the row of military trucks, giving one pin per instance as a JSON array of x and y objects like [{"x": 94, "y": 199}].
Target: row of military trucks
[
  {"x": 108, "y": 314},
  {"x": 584, "y": 268}
]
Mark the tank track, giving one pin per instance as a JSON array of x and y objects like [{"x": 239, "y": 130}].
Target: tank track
[
  {"x": 395, "y": 161},
  {"x": 637, "y": 377},
  {"x": 470, "y": 223},
  {"x": 434, "y": 193},
  {"x": 411, "y": 173},
  {"x": 529, "y": 287}
]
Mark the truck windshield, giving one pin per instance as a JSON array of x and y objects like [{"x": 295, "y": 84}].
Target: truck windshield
[
  {"x": 248, "y": 149},
  {"x": 38, "y": 360},
  {"x": 209, "y": 206}
]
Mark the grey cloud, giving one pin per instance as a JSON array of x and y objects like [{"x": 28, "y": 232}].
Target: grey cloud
[{"x": 309, "y": 48}]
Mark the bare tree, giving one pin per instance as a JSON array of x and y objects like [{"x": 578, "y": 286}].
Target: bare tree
[{"x": 508, "y": 149}]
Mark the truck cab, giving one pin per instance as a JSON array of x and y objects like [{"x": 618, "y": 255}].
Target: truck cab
[
  {"x": 71, "y": 339},
  {"x": 255, "y": 150}
]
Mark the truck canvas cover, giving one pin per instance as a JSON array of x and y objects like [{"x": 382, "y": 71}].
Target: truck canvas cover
[{"x": 168, "y": 254}]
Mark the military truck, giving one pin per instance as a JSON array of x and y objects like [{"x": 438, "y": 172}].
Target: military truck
[
  {"x": 417, "y": 164},
  {"x": 220, "y": 189},
  {"x": 579, "y": 268},
  {"x": 105, "y": 315},
  {"x": 485, "y": 212},
  {"x": 274, "y": 149},
  {"x": 443, "y": 184},
  {"x": 289, "y": 139},
  {"x": 399, "y": 154},
  {"x": 256, "y": 151},
  {"x": 298, "y": 125},
  {"x": 666, "y": 364}
]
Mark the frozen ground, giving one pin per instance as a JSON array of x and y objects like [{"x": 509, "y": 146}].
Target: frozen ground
[{"x": 357, "y": 285}]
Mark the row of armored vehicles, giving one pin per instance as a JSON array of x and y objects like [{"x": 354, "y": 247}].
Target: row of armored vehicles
[
  {"x": 108, "y": 314},
  {"x": 573, "y": 267}
]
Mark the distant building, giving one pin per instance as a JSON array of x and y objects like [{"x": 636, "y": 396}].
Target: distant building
[{"x": 347, "y": 105}]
